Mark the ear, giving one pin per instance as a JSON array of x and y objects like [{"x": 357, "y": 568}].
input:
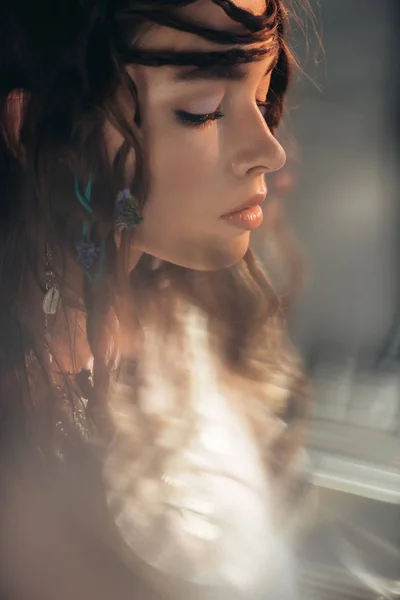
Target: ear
[{"x": 13, "y": 120}]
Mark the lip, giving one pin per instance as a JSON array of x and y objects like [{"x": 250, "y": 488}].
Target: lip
[
  {"x": 248, "y": 216},
  {"x": 253, "y": 201}
]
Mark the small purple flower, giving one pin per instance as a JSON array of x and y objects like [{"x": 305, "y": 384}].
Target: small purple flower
[
  {"x": 87, "y": 253},
  {"x": 121, "y": 198}
]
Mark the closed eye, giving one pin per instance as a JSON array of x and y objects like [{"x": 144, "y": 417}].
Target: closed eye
[{"x": 198, "y": 120}]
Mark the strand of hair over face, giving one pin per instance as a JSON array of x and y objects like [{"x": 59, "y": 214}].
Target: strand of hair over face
[{"x": 167, "y": 14}]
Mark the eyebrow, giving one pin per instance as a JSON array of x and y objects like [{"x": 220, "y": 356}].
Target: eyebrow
[{"x": 217, "y": 71}]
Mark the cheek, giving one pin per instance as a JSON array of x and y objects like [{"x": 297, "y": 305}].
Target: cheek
[
  {"x": 188, "y": 158},
  {"x": 184, "y": 172}
]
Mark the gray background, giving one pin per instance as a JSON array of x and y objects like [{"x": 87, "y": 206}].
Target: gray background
[{"x": 345, "y": 209}]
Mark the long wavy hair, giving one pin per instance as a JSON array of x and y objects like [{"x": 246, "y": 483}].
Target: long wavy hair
[{"x": 63, "y": 68}]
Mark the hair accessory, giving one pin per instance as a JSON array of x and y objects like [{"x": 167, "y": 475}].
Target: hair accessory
[
  {"x": 85, "y": 200},
  {"x": 88, "y": 251},
  {"x": 51, "y": 300},
  {"x": 126, "y": 211}
]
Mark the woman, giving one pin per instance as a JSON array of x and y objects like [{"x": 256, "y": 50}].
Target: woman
[{"x": 151, "y": 405}]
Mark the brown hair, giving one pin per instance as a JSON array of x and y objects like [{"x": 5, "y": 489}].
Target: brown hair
[{"x": 69, "y": 61}]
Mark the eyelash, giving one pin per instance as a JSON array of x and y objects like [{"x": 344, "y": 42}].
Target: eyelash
[{"x": 199, "y": 121}]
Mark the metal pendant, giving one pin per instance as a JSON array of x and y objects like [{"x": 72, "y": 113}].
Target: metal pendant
[{"x": 51, "y": 301}]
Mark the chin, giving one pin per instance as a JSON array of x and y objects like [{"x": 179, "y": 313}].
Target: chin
[
  {"x": 226, "y": 260},
  {"x": 221, "y": 256}
]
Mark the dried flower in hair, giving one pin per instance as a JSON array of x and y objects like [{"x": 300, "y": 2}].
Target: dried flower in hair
[
  {"x": 87, "y": 253},
  {"x": 126, "y": 211}
]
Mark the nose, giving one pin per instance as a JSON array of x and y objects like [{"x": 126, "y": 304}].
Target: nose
[{"x": 258, "y": 151}]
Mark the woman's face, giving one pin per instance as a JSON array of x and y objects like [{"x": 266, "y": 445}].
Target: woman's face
[{"x": 202, "y": 172}]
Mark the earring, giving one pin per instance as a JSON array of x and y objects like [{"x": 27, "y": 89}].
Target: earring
[
  {"x": 126, "y": 211},
  {"x": 51, "y": 300}
]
